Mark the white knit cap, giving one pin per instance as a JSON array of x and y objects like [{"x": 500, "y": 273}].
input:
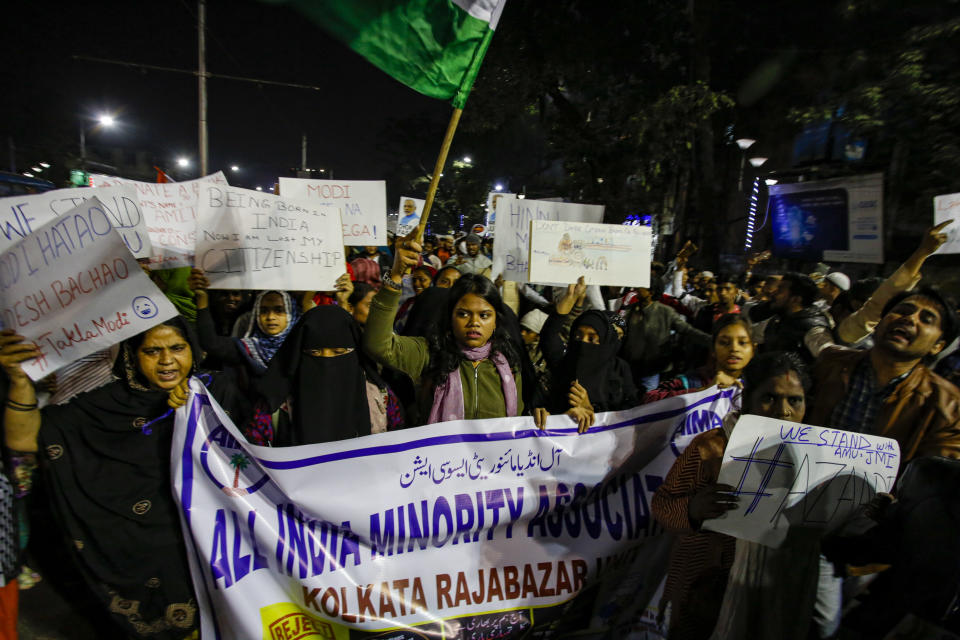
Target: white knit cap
[
  {"x": 841, "y": 280},
  {"x": 533, "y": 320}
]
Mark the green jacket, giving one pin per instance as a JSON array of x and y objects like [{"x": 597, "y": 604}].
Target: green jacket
[{"x": 482, "y": 388}]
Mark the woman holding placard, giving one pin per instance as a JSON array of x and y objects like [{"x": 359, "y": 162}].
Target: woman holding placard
[
  {"x": 108, "y": 475},
  {"x": 772, "y": 593},
  {"x": 271, "y": 320},
  {"x": 733, "y": 349},
  {"x": 468, "y": 367}
]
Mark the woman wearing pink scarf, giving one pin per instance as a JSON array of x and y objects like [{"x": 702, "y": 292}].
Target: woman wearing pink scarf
[{"x": 468, "y": 368}]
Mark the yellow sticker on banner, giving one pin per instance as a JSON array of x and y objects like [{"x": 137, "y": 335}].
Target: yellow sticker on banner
[{"x": 287, "y": 621}]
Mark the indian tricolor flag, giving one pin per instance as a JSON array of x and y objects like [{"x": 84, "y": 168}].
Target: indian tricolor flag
[{"x": 433, "y": 46}]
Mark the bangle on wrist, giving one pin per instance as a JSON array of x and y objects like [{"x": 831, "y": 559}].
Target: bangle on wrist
[
  {"x": 389, "y": 282},
  {"x": 19, "y": 406}
]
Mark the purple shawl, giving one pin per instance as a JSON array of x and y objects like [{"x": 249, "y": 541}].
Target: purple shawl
[{"x": 448, "y": 396}]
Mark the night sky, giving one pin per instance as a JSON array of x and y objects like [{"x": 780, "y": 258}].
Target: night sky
[{"x": 257, "y": 127}]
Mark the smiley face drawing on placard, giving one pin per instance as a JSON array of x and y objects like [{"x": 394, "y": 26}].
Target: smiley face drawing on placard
[{"x": 144, "y": 307}]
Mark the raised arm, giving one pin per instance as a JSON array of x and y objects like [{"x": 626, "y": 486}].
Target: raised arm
[
  {"x": 407, "y": 354},
  {"x": 21, "y": 417},
  {"x": 223, "y": 348},
  {"x": 861, "y": 322}
]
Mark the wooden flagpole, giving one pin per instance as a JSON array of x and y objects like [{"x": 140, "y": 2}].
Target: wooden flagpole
[{"x": 437, "y": 170}]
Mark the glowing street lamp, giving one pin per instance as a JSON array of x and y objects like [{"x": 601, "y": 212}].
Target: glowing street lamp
[
  {"x": 183, "y": 162},
  {"x": 106, "y": 121}
]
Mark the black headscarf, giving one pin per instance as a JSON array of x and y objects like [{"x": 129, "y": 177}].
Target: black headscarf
[
  {"x": 328, "y": 396},
  {"x": 108, "y": 475},
  {"x": 606, "y": 377}
]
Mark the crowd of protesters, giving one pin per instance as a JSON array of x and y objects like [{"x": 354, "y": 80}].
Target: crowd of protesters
[{"x": 418, "y": 332}]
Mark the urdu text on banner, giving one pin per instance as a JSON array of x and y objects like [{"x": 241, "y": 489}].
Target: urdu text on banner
[{"x": 472, "y": 523}]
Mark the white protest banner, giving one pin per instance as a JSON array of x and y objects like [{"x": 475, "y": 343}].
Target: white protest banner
[
  {"x": 253, "y": 240},
  {"x": 605, "y": 254},
  {"x": 947, "y": 207},
  {"x": 20, "y": 215},
  {"x": 458, "y": 526},
  {"x": 171, "y": 213},
  {"x": 72, "y": 287},
  {"x": 362, "y": 205},
  {"x": 410, "y": 211},
  {"x": 511, "y": 251},
  {"x": 790, "y": 474}
]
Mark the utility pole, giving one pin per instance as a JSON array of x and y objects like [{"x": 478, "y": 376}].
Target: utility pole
[
  {"x": 303, "y": 152},
  {"x": 202, "y": 79}
]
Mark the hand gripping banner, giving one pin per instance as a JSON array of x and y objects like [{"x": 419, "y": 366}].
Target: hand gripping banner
[{"x": 467, "y": 529}]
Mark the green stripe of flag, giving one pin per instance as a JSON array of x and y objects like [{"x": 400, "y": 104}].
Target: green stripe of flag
[{"x": 432, "y": 46}]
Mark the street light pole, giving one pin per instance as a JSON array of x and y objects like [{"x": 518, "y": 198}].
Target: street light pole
[
  {"x": 202, "y": 77},
  {"x": 744, "y": 144},
  {"x": 83, "y": 148}
]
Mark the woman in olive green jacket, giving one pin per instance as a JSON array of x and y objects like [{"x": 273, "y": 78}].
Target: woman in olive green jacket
[{"x": 468, "y": 368}]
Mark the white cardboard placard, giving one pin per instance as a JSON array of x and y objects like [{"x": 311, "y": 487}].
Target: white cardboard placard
[
  {"x": 253, "y": 240},
  {"x": 362, "y": 205},
  {"x": 511, "y": 251},
  {"x": 605, "y": 254},
  {"x": 171, "y": 212},
  {"x": 72, "y": 287},
  {"x": 20, "y": 215},
  {"x": 789, "y": 474}
]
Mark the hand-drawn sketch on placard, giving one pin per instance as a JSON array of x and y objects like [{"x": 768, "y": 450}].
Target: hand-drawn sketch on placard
[
  {"x": 947, "y": 207},
  {"x": 788, "y": 474},
  {"x": 511, "y": 251},
  {"x": 604, "y": 254}
]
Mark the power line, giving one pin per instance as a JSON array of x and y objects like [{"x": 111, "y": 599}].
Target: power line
[{"x": 193, "y": 72}]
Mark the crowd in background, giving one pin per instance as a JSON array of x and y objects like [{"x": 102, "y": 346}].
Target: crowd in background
[{"x": 420, "y": 332}]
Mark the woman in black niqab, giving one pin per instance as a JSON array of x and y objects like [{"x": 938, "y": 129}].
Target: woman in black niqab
[
  {"x": 322, "y": 385},
  {"x": 596, "y": 367}
]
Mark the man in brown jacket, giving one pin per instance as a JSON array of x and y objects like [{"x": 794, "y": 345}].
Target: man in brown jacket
[{"x": 888, "y": 391}]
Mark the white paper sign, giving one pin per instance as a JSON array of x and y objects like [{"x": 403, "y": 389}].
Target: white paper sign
[
  {"x": 789, "y": 474},
  {"x": 171, "y": 213},
  {"x": 254, "y": 240},
  {"x": 605, "y": 254},
  {"x": 410, "y": 211},
  {"x": 20, "y": 215},
  {"x": 947, "y": 207},
  {"x": 493, "y": 201},
  {"x": 488, "y": 526},
  {"x": 72, "y": 287},
  {"x": 511, "y": 251},
  {"x": 362, "y": 205}
]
